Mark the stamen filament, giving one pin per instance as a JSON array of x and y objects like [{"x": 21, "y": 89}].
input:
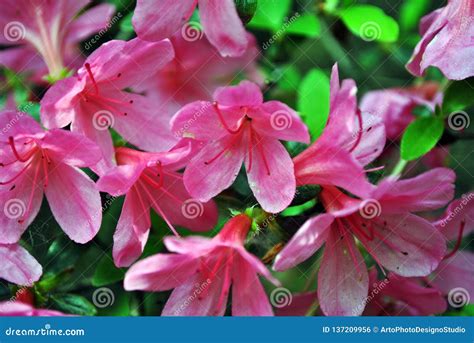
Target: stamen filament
[
  {"x": 89, "y": 71},
  {"x": 458, "y": 241}
]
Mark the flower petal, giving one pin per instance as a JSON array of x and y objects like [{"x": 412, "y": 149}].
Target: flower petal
[
  {"x": 156, "y": 20},
  {"x": 407, "y": 244},
  {"x": 223, "y": 27},
  {"x": 309, "y": 238},
  {"x": 273, "y": 183},
  {"x": 246, "y": 93},
  {"x": 18, "y": 266},
  {"x": 74, "y": 201},
  {"x": 343, "y": 280}
]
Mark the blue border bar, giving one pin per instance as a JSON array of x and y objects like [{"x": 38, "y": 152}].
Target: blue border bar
[{"x": 227, "y": 329}]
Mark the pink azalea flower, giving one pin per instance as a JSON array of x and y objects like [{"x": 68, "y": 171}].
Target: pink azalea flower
[
  {"x": 33, "y": 162},
  {"x": 401, "y": 296},
  {"x": 95, "y": 99},
  {"x": 395, "y": 105},
  {"x": 43, "y": 35},
  {"x": 201, "y": 271},
  {"x": 20, "y": 309},
  {"x": 18, "y": 266},
  {"x": 457, "y": 268},
  {"x": 398, "y": 240},
  {"x": 240, "y": 128},
  {"x": 350, "y": 140},
  {"x": 197, "y": 71},
  {"x": 446, "y": 41},
  {"x": 150, "y": 180},
  {"x": 156, "y": 20}
]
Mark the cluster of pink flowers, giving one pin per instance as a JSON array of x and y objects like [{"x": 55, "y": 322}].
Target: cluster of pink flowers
[{"x": 168, "y": 98}]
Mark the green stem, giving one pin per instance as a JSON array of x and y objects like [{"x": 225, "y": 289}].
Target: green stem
[{"x": 398, "y": 169}]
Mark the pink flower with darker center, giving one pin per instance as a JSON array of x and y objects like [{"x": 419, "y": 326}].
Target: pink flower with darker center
[
  {"x": 240, "y": 128},
  {"x": 43, "y": 34},
  {"x": 154, "y": 20},
  {"x": 201, "y": 272},
  {"x": 33, "y": 162},
  {"x": 386, "y": 227},
  {"x": 95, "y": 99},
  {"x": 447, "y": 41},
  {"x": 150, "y": 181}
]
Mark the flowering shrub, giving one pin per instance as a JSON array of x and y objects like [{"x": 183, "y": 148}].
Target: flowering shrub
[{"x": 206, "y": 158}]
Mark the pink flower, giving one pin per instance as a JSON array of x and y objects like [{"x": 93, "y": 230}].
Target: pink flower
[
  {"x": 447, "y": 41},
  {"x": 33, "y": 162},
  {"x": 240, "y": 128},
  {"x": 384, "y": 224},
  {"x": 95, "y": 99},
  {"x": 49, "y": 28},
  {"x": 395, "y": 105},
  {"x": 156, "y": 20},
  {"x": 350, "y": 140},
  {"x": 201, "y": 272},
  {"x": 196, "y": 71},
  {"x": 20, "y": 309},
  {"x": 18, "y": 266},
  {"x": 150, "y": 180},
  {"x": 401, "y": 296}
]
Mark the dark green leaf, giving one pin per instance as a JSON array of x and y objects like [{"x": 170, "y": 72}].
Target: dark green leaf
[
  {"x": 73, "y": 304},
  {"x": 458, "y": 96},
  {"x": 306, "y": 25},
  {"x": 106, "y": 272},
  {"x": 246, "y": 9}
]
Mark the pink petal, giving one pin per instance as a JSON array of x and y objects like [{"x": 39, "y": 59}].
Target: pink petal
[
  {"x": 16, "y": 123},
  {"x": 19, "y": 309},
  {"x": 118, "y": 180},
  {"x": 90, "y": 22},
  {"x": 59, "y": 104},
  {"x": 327, "y": 165},
  {"x": 18, "y": 266},
  {"x": 197, "y": 296},
  {"x": 14, "y": 202},
  {"x": 22, "y": 59},
  {"x": 279, "y": 121},
  {"x": 428, "y": 191},
  {"x": 74, "y": 202},
  {"x": 248, "y": 296},
  {"x": 199, "y": 120},
  {"x": 160, "y": 272},
  {"x": 181, "y": 209},
  {"x": 309, "y": 238},
  {"x": 343, "y": 280},
  {"x": 132, "y": 231},
  {"x": 274, "y": 192},
  {"x": 256, "y": 264},
  {"x": 156, "y": 20},
  {"x": 223, "y": 26},
  {"x": 411, "y": 246},
  {"x": 134, "y": 60},
  {"x": 205, "y": 180},
  {"x": 191, "y": 245},
  {"x": 142, "y": 125},
  {"x": 459, "y": 211},
  {"x": 71, "y": 148},
  {"x": 246, "y": 93},
  {"x": 455, "y": 272}
]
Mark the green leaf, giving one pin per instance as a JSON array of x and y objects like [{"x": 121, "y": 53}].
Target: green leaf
[
  {"x": 306, "y": 25},
  {"x": 106, "y": 272},
  {"x": 458, "y": 96},
  {"x": 410, "y": 13},
  {"x": 313, "y": 101},
  {"x": 73, "y": 304},
  {"x": 370, "y": 23},
  {"x": 270, "y": 14},
  {"x": 420, "y": 137},
  {"x": 289, "y": 78}
]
